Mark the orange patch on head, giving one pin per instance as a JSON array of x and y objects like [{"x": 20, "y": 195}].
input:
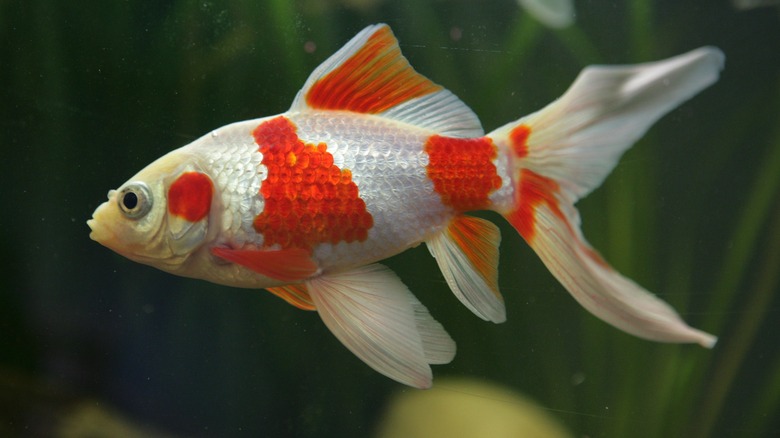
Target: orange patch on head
[
  {"x": 462, "y": 170},
  {"x": 519, "y": 140},
  {"x": 308, "y": 200},
  {"x": 189, "y": 196}
]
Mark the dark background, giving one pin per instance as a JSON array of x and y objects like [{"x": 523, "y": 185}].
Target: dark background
[{"x": 92, "y": 91}]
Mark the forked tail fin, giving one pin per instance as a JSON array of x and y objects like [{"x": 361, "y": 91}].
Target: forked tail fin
[{"x": 563, "y": 152}]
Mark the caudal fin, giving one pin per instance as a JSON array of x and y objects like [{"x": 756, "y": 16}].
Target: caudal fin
[{"x": 563, "y": 152}]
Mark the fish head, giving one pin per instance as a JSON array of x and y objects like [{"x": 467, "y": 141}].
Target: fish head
[{"x": 148, "y": 219}]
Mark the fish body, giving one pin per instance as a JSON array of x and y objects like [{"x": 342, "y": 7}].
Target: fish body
[{"x": 372, "y": 159}]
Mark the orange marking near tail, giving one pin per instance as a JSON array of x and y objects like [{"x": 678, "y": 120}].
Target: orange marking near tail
[
  {"x": 374, "y": 79},
  {"x": 534, "y": 190},
  {"x": 519, "y": 139},
  {"x": 189, "y": 196},
  {"x": 308, "y": 200},
  {"x": 462, "y": 170}
]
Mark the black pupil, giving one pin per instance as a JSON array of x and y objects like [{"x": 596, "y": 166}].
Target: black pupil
[{"x": 130, "y": 200}]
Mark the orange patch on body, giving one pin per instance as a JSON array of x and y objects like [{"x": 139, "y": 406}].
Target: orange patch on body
[
  {"x": 189, "y": 196},
  {"x": 462, "y": 170},
  {"x": 374, "y": 79},
  {"x": 308, "y": 200}
]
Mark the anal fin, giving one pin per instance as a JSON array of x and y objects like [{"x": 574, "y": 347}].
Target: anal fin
[{"x": 467, "y": 254}]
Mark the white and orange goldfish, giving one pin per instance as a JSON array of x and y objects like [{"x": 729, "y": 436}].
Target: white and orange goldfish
[{"x": 372, "y": 159}]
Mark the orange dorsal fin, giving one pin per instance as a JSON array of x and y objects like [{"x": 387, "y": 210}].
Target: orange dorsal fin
[
  {"x": 289, "y": 265},
  {"x": 295, "y": 294},
  {"x": 369, "y": 75}
]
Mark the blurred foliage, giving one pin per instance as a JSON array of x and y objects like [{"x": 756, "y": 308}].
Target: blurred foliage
[{"x": 92, "y": 91}]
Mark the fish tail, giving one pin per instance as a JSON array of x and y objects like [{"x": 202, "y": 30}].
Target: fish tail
[{"x": 560, "y": 154}]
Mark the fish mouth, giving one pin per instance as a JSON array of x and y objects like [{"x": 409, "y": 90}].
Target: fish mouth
[
  {"x": 94, "y": 226},
  {"x": 105, "y": 231},
  {"x": 99, "y": 231},
  {"x": 92, "y": 223}
]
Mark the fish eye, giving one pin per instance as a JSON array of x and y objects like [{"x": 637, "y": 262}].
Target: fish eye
[{"x": 135, "y": 200}]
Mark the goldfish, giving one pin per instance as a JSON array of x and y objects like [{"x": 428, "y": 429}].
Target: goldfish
[{"x": 372, "y": 159}]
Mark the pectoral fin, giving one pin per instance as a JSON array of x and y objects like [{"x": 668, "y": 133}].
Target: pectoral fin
[{"x": 289, "y": 265}]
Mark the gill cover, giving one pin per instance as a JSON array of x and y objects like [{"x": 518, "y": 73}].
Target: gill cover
[{"x": 189, "y": 196}]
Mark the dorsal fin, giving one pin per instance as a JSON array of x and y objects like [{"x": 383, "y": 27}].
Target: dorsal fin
[{"x": 370, "y": 75}]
